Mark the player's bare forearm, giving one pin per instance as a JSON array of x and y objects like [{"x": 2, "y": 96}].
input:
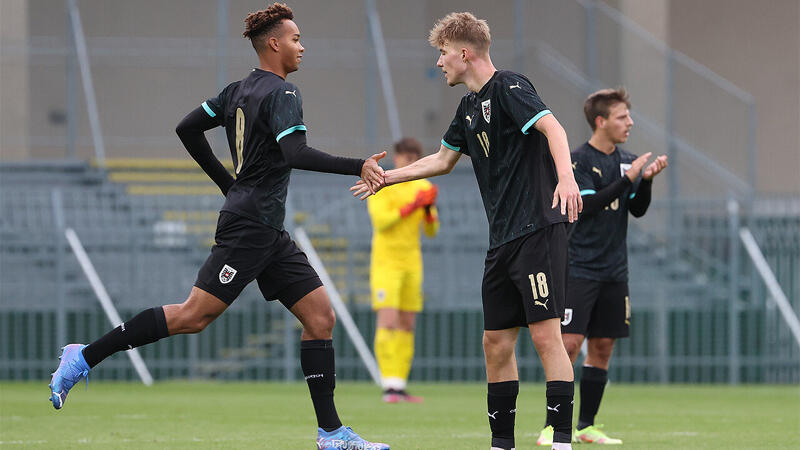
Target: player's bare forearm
[
  {"x": 566, "y": 193},
  {"x": 430, "y": 166},
  {"x": 559, "y": 147},
  {"x": 439, "y": 163}
]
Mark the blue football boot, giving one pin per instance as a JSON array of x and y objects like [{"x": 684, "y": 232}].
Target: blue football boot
[
  {"x": 71, "y": 369},
  {"x": 344, "y": 438}
]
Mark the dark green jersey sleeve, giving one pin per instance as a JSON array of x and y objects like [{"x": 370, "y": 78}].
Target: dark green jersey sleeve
[
  {"x": 215, "y": 107},
  {"x": 286, "y": 111},
  {"x": 521, "y": 102},
  {"x": 583, "y": 175},
  {"x": 454, "y": 138}
]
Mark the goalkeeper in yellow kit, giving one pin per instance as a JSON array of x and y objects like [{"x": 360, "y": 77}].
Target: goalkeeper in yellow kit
[{"x": 397, "y": 213}]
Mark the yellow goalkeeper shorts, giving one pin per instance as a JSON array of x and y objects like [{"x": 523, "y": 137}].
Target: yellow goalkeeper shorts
[{"x": 398, "y": 289}]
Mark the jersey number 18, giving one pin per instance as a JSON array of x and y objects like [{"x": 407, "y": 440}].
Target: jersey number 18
[
  {"x": 539, "y": 285},
  {"x": 484, "y": 140}
]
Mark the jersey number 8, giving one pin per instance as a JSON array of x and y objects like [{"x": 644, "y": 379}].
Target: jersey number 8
[{"x": 239, "y": 139}]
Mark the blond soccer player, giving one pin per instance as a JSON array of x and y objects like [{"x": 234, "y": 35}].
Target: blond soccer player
[{"x": 521, "y": 159}]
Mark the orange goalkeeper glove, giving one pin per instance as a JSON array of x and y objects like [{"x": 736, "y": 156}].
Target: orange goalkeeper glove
[{"x": 424, "y": 198}]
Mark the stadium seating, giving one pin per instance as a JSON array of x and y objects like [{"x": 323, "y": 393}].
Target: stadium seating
[{"x": 147, "y": 243}]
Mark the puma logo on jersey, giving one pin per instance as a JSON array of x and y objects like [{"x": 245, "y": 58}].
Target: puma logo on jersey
[
  {"x": 543, "y": 305},
  {"x": 574, "y": 166},
  {"x": 492, "y": 415},
  {"x": 294, "y": 92},
  {"x": 469, "y": 118},
  {"x": 599, "y": 172},
  {"x": 514, "y": 86},
  {"x": 554, "y": 408}
]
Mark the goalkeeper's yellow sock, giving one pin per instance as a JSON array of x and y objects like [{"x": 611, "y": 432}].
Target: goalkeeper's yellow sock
[
  {"x": 386, "y": 354},
  {"x": 404, "y": 352}
]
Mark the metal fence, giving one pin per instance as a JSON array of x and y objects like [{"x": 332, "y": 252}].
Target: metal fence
[{"x": 700, "y": 313}]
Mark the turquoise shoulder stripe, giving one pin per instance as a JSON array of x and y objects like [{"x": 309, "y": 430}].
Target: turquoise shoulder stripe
[
  {"x": 588, "y": 191},
  {"x": 632, "y": 195},
  {"x": 451, "y": 147},
  {"x": 290, "y": 131},
  {"x": 535, "y": 119},
  {"x": 208, "y": 110}
]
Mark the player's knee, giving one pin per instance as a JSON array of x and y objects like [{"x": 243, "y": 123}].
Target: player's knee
[
  {"x": 573, "y": 352},
  {"x": 602, "y": 351},
  {"x": 196, "y": 323},
  {"x": 320, "y": 325},
  {"x": 573, "y": 346},
  {"x": 545, "y": 337},
  {"x": 406, "y": 322},
  {"x": 495, "y": 346},
  {"x": 189, "y": 320},
  {"x": 187, "y": 325}
]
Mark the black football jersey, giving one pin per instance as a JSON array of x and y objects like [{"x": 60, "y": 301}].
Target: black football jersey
[
  {"x": 511, "y": 159},
  {"x": 257, "y": 112},
  {"x": 597, "y": 244}
]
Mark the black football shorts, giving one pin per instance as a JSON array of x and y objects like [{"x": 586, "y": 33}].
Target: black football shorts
[
  {"x": 246, "y": 250},
  {"x": 599, "y": 309},
  {"x": 524, "y": 280}
]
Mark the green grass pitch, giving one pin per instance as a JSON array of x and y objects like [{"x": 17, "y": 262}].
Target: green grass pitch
[{"x": 453, "y": 416}]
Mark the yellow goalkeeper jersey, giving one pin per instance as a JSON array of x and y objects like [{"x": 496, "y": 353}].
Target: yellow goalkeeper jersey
[{"x": 396, "y": 239}]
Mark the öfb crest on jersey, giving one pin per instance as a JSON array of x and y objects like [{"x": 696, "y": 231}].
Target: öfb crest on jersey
[
  {"x": 226, "y": 274},
  {"x": 486, "y": 107}
]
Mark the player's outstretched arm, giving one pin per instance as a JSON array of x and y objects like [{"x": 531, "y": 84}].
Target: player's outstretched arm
[
  {"x": 299, "y": 155},
  {"x": 430, "y": 166},
  {"x": 191, "y": 131},
  {"x": 567, "y": 192}
]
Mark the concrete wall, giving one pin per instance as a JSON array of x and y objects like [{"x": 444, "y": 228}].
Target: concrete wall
[
  {"x": 152, "y": 61},
  {"x": 14, "y": 77},
  {"x": 755, "y": 45}
]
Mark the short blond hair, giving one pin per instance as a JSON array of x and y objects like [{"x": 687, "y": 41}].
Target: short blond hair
[{"x": 461, "y": 27}]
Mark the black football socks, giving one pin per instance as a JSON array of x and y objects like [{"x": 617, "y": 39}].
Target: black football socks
[
  {"x": 316, "y": 359},
  {"x": 559, "y": 409},
  {"x": 502, "y": 403},
  {"x": 145, "y": 328},
  {"x": 593, "y": 383}
]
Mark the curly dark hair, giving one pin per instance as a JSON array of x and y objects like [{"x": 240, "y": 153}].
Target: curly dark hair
[{"x": 259, "y": 24}]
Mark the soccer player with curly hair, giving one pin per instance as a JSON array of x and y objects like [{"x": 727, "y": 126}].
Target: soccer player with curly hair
[{"x": 263, "y": 119}]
